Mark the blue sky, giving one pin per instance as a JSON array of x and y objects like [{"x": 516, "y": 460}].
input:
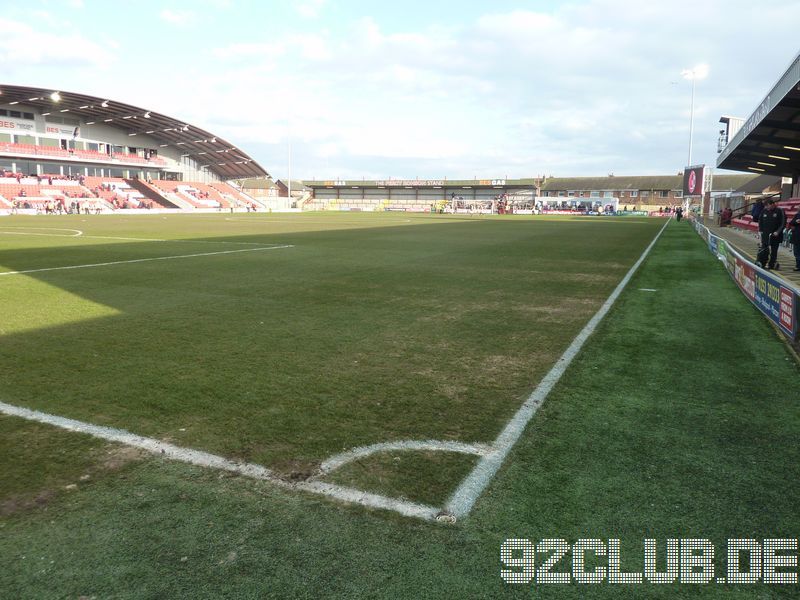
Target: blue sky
[{"x": 419, "y": 89}]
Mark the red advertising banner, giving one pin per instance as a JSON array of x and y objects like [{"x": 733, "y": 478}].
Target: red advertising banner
[
  {"x": 745, "y": 277},
  {"x": 787, "y": 310}
]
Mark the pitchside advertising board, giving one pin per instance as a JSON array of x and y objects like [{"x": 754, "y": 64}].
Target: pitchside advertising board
[{"x": 778, "y": 302}]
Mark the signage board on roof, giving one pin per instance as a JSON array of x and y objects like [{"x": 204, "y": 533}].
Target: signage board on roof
[
  {"x": 13, "y": 125},
  {"x": 409, "y": 182}
]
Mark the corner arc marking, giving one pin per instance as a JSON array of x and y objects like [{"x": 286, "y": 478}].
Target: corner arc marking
[{"x": 339, "y": 460}]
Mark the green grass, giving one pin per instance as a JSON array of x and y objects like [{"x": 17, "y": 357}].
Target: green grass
[
  {"x": 372, "y": 328},
  {"x": 397, "y": 474},
  {"x": 40, "y": 462},
  {"x": 663, "y": 427}
]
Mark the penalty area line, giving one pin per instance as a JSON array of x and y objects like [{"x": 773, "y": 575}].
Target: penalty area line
[
  {"x": 213, "y": 461},
  {"x": 469, "y": 490},
  {"x": 141, "y": 260}
]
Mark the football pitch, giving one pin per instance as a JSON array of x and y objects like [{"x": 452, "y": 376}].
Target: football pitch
[
  {"x": 285, "y": 341},
  {"x": 381, "y": 354}
]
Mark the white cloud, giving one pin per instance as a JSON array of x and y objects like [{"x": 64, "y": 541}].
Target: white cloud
[
  {"x": 180, "y": 18},
  {"x": 23, "y": 46},
  {"x": 262, "y": 50},
  {"x": 579, "y": 89},
  {"x": 583, "y": 89},
  {"x": 43, "y": 15},
  {"x": 309, "y": 46},
  {"x": 309, "y": 9},
  {"x": 75, "y": 3}
]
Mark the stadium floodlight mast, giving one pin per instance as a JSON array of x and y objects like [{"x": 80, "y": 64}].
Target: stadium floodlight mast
[{"x": 698, "y": 72}]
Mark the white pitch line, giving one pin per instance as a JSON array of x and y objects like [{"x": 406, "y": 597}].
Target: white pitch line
[
  {"x": 464, "y": 498},
  {"x": 338, "y": 460},
  {"x": 109, "y": 237},
  {"x": 206, "y": 459},
  {"x": 77, "y": 233},
  {"x": 140, "y": 260},
  {"x": 346, "y": 494},
  {"x": 132, "y": 239}
]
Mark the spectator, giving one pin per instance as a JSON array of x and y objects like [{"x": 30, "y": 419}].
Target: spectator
[
  {"x": 795, "y": 225},
  {"x": 725, "y": 218},
  {"x": 757, "y": 209},
  {"x": 770, "y": 224}
]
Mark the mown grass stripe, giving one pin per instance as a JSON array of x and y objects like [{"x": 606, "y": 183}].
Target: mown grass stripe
[
  {"x": 464, "y": 498},
  {"x": 140, "y": 260}
]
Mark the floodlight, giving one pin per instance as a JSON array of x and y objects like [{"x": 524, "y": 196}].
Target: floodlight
[{"x": 698, "y": 72}]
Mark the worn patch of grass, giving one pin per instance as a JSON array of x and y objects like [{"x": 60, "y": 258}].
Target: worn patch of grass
[
  {"x": 42, "y": 462},
  {"x": 397, "y": 474}
]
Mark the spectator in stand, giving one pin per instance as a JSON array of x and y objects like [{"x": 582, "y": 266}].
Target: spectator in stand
[
  {"x": 725, "y": 217},
  {"x": 757, "y": 209},
  {"x": 794, "y": 223},
  {"x": 770, "y": 224}
]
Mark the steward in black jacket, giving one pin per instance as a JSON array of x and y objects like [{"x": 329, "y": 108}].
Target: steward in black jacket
[{"x": 771, "y": 224}]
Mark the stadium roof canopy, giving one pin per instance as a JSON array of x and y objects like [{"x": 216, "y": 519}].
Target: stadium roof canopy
[
  {"x": 640, "y": 182},
  {"x": 420, "y": 183},
  {"x": 218, "y": 155},
  {"x": 769, "y": 141}
]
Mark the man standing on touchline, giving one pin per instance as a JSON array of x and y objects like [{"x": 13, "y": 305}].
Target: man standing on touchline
[{"x": 771, "y": 224}]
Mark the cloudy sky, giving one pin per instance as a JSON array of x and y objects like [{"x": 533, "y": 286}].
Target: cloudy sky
[{"x": 425, "y": 89}]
